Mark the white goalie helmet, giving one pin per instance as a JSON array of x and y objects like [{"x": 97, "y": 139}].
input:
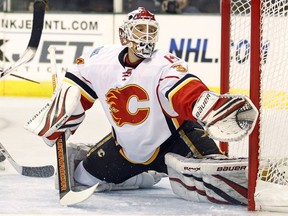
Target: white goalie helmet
[{"x": 140, "y": 32}]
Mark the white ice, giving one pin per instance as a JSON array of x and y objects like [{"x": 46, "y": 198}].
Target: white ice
[{"x": 20, "y": 195}]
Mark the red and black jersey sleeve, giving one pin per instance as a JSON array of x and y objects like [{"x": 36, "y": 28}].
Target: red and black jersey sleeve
[{"x": 184, "y": 94}]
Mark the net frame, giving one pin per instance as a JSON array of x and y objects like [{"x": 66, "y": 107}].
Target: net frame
[{"x": 256, "y": 70}]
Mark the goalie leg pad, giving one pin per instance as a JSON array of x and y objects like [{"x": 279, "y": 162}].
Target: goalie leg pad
[
  {"x": 185, "y": 178},
  {"x": 208, "y": 180},
  {"x": 225, "y": 180},
  {"x": 63, "y": 113},
  {"x": 142, "y": 180}
]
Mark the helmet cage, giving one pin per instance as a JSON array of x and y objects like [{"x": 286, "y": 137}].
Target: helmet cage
[{"x": 140, "y": 32}]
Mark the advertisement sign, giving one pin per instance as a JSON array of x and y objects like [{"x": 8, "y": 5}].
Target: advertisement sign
[{"x": 195, "y": 38}]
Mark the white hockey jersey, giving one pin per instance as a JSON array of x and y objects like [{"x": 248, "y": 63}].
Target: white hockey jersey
[{"x": 145, "y": 105}]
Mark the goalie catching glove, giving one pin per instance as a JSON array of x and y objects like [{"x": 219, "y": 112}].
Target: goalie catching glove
[
  {"x": 225, "y": 117},
  {"x": 63, "y": 113}
]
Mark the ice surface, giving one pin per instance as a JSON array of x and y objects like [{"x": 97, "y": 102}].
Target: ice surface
[{"x": 20, "y": 195}]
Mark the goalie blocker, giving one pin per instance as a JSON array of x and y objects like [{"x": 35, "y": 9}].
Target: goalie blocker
[
  {"x": 63, "y": 113},
  {"x": 217, "y": 180}
]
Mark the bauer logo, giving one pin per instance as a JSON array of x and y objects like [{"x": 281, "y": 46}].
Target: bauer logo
[
  {"x": 231, "y": 168},
  {"x": 202, "y": 105}
]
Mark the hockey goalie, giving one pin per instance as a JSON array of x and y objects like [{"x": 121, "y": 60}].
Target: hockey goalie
[{"x": 164, "y": 119}]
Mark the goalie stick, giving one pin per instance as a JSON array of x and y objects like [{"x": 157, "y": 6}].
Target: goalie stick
[
  {"x": 29, "y": 53},
  {"x": 39, "y": 171},
  {"x": 67, "y": 195}
]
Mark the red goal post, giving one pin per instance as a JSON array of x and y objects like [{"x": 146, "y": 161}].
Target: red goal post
[{"x": 254, "y": 62}]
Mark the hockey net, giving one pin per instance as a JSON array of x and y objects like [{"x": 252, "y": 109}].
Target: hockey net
[{"x": 254, "y": 62}]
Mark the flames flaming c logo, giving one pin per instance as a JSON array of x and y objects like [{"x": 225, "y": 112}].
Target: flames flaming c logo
[{"x": 119, "y": 100}]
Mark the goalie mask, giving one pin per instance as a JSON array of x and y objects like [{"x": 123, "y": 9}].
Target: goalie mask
[{"x": 140, "y": 32}]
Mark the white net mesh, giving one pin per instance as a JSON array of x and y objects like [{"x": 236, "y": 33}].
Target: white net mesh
[
  {"x": 239, "y": 76},
  {"x": 273, "y": 153},
  {"x": 274, "y": 88}
]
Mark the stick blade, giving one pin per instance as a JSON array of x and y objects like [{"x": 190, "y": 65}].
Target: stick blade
[
  {"x": 27, "y": 56},
  {"x": 73, "y": 197},
  {"x": 42, "y": 172}
]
